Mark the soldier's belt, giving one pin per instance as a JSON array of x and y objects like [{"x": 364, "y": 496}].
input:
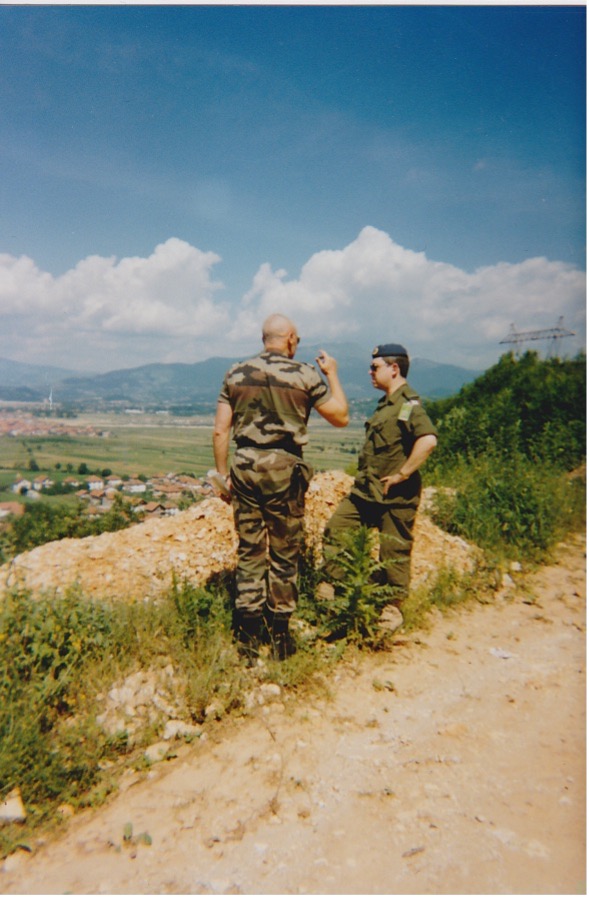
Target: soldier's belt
[{"x": 285, "y": 446}]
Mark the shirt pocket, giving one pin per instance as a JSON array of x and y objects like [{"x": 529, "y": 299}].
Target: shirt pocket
[{"x": 384, "y": 435}]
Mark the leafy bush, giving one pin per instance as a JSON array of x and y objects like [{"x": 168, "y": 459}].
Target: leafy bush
[
  {"x": 356, "y": 573},
  {"x": 45, "y": 646},
  {"x": 195, "y": 609},
  {"x": 518, "y": 511},
  {"x": 519, "y": 406},
  {"x": 56, "y": 654}
]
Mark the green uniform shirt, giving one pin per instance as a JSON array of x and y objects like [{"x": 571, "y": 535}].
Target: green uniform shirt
[
  {"x": 391, "y": 432},
  {"x": 271, "y": 396}
]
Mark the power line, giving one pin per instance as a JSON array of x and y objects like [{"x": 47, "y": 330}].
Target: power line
[{"x": 553, "y": 334}]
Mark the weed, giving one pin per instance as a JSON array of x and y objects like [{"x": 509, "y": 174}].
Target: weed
[
  {"x": 306, "y": 669},
  {"x": 131, "y": 840},
  {"x": 355, "y": 572},
  {"x": 520, "y": 515},
  {"x": 58, "y": 653},
  {"x": 449, "y": 589}
]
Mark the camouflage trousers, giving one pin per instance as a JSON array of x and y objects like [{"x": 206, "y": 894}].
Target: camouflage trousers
[
  {"x": 268, "y": 498},
  {"x": 395, "y": 524}
]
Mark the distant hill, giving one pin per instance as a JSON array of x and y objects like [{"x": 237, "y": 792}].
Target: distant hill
[
  {"x": 22, "y": 382},
  {"x": 181, "y": 384},
  {"x": 19, "y": 373}
]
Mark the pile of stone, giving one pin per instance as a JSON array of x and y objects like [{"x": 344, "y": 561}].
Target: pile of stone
[
  {"x": 137, "y": 563},
  {"x": 140, "y": 563}
]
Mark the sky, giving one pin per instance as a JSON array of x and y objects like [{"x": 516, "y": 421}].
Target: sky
[{"x": 170, "y": 175}]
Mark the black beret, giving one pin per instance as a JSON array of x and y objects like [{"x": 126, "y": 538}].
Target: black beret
[{"x": 388, "y": 350}]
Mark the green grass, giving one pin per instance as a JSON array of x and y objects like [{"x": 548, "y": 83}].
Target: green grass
[
  {"x": 60, "y": 657},
  {"x": 330, "y": 448},
  {"x": 151, "y": 445},
  {"x": 448, "y": 590},
  {"x": 513, "y": 512},
  {"x": 126, "y": 450}
]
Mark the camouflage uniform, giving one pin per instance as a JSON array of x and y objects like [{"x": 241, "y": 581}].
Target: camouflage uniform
[
  {"x": 391, "y": 432},
  {"x": 271, "y": 397}
]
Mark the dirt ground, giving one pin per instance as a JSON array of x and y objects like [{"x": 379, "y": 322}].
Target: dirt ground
[{"x": 453, "y": 764}]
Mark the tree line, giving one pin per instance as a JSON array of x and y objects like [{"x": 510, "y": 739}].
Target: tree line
[{"x": 520, "y": 406}]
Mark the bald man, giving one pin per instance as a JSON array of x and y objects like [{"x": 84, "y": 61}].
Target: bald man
[{"x": 266, "y": 402}]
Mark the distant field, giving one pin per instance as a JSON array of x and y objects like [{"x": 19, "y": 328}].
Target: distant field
[{"x": 151, "y": 444}]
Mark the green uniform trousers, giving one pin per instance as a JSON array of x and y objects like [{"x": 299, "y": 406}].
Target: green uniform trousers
[{"x": 395, "y": 523}]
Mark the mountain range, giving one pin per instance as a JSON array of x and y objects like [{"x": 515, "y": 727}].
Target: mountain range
[{"x": 199, "y": 383}]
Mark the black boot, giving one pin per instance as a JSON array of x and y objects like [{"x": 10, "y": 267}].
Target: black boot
[
  {"x": 247, "y": 628},
  {"x": 282, "y": 644}
]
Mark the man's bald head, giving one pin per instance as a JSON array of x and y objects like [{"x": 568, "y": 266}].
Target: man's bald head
[{"x": 280, "y": 334}]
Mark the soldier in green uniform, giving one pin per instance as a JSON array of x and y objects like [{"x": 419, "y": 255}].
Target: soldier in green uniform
[
  {"x": 387, "y": 488},
  {"x": 266, "y": 402}
]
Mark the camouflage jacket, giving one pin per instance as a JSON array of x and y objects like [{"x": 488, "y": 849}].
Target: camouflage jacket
[{"x": 271, "y": 397}]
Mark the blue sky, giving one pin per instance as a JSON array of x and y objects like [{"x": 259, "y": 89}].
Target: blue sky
[{"x": 170, "y": 175}]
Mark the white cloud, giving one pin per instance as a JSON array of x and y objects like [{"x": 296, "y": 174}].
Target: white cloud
[
  {"x": 107, "y": 313},
  {"x": 128, "y": 308},
  {"x": 374, "y": 291}
]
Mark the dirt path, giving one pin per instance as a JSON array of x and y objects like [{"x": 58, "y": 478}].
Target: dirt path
[{"x": 453, "y": 764}]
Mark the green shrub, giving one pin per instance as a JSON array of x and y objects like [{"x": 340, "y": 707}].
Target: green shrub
[
  {"x": 45, "y": 647},
  {"x": 196, "y": 609},
  {"x": 57, "y": 653},
  {"x": 520, "y": 406},
  {"x": 45, "y": 642},
  {"x": 519, "y": 510},
  {"x": 198, "y": 624},
  {"x": 356, "y": 573}
]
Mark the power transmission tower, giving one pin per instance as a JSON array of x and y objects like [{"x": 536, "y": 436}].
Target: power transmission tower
[{"x": 553, "y": 334}]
